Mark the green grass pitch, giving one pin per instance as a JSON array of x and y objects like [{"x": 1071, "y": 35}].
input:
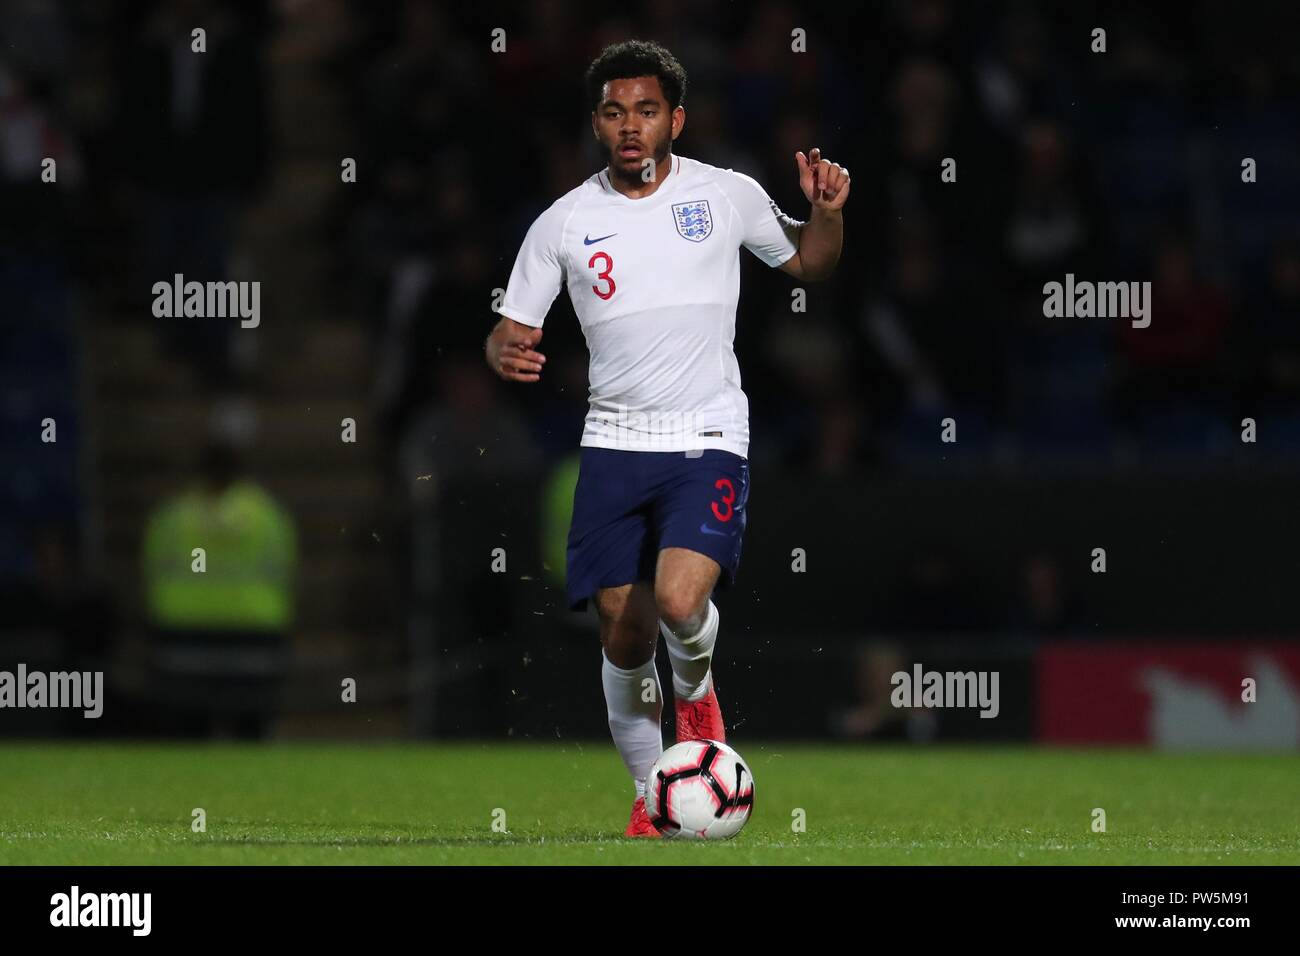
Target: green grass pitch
[{"x": 567, "y": 803}]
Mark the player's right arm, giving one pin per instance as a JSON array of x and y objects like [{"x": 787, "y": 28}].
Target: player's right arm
[
  {"x": 535, "y": 281},
  {"x": 511, "y": 353}
]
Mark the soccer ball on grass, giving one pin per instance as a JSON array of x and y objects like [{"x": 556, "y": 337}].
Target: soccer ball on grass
[{"x": 700, "y": 789}]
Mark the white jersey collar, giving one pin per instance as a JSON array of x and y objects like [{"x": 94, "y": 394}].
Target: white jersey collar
[{"x": 674, "y": 174}]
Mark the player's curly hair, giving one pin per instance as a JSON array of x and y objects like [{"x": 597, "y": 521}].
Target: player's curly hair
[{"x": 621, "y": 61}]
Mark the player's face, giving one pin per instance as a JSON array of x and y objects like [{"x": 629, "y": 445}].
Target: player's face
[{"x": 633, "y": 122}]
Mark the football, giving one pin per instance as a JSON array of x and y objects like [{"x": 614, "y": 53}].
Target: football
[{"x": 700, "y": 789}]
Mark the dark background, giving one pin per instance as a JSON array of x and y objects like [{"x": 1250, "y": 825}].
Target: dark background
[{"x": 1073, "y": 434}]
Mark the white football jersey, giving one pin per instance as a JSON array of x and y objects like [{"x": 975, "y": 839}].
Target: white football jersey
[{"x": 654, "y": 283}]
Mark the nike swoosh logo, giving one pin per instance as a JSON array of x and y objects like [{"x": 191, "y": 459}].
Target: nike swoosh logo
[
  {"x": 704, "y": 528},
  {"x": 587, "y": 241}
]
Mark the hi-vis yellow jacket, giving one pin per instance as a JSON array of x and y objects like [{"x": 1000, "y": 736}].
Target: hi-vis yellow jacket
[{"x": 248, "y": 561}]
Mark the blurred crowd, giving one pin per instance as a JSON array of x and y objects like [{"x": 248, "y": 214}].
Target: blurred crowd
[
  {"x": 1123, "y": 165},
  {"x": 1115, "y": 166},
  {"x": 1119, "y": 166}
]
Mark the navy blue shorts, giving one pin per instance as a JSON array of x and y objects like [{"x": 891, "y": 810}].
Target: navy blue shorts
[{"x": 631, "y": 504}]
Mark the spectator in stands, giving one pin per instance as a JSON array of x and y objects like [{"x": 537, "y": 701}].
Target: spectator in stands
[
  {"x": 1043, "y": 607},
  {"x": 56, "y": 618},
  {"x": 942, "y": 345},
  {"x": 1275, "y": 328},
  {"x": 1049, "y": 221},
  {"x": 196, "y": 143},
  {"x": 872, "y": 714},
  {"x": 1182, "y": 354}
]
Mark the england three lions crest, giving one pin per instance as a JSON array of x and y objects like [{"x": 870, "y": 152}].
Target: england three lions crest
[{"x": 693, "y": 220}]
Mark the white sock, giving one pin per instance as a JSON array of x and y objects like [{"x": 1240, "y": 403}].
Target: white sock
[
  {"x": 690, "y": 655},
  {"x": 635, "y": 723}
]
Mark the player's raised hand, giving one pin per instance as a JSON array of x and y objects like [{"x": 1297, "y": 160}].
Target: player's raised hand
[
  {"x": 511, "y": 351},
  {"x": 824, "y": 184}
]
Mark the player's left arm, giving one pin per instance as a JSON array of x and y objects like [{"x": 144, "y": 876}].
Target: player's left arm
[{"x": 826, "y": 187}]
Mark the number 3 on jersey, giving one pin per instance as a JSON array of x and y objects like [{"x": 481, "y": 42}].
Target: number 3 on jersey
[{"x": 603, "y": 275}]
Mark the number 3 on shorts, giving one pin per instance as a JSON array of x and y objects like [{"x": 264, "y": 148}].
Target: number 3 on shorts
[{"x": 728, "y": 498}]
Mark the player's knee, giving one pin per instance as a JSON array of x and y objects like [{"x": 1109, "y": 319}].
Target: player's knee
[{"x": 681, "y": 613}]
